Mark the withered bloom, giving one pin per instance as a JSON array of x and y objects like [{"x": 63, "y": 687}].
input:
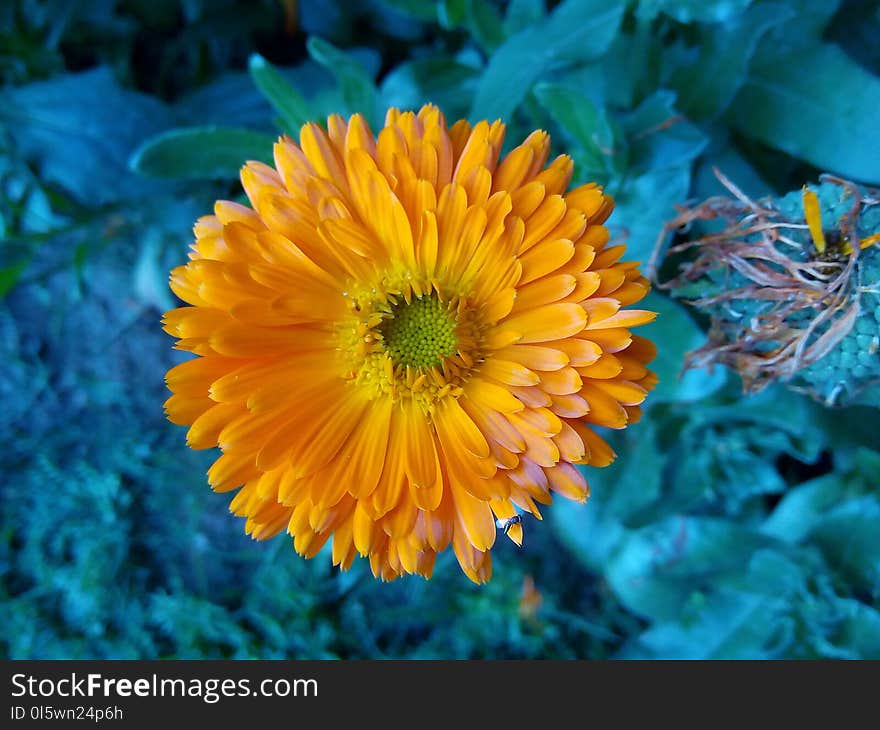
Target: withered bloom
[{"x": 791, "y": 287}]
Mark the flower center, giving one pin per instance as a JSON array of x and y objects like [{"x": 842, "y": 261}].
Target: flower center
[
  {"x": 405, "y": 339},
  {"x": 420, "y": 333}
]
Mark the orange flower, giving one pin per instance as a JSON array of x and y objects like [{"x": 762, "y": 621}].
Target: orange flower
[{"x": 405, "y": 340}]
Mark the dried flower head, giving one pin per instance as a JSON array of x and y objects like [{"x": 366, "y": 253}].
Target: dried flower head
[{"x": 791, "y": 285}]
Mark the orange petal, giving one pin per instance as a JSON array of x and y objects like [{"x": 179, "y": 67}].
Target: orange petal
[
  {"x": 475, "y": 517},
  {"x": 511, "y": 373},
  {"x": 535, "y": 357},
  {"x": 566, "y": 480},
  {"x": 491, "y": 397},
  {"x": 550, "y": 322},
  {"x": 420, "y": 458},
  {"x": 545, "y": 258}
]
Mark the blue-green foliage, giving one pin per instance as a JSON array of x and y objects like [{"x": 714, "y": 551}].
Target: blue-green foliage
[{"x": 730, "y": 526}]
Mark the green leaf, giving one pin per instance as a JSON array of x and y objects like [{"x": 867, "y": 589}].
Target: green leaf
[
  {"x": 477, "y": 16},
  {"x": 291, "y": 107},
  {"x": 855, "y": 633},
  {"x": 601, "y": 150},
  {"x": 820, "y": 107},
  {"x": 576, "y": 31},
  {"x": 9, "y": 276},
  {"x": 660, "y": 137},
  {"x": 800, "y": 508},
  {"x": 689, "y": 11},
  {"x": 522, "y": 14},
  {"x": 630, "y": 69},
  {"x": 747, "y": 617},
  {"x": 730, "y": 624},
  {"x": 439, "y": 80},
  {"x": 417, "y": 9},
  {"x": 201, "y": 153},
  {"x": 675, "y": 333},
  {"x": 805, "y": 28},
  {"x": 358, "y": 90},
  {"x": 586, "y": 530},
  {"x": 707, "y": 84},
  {"x": 632, "y": 484},
  {"x": 656, "y": 569},
  {"x": 849, "y": 537},
  {"x": 80, "y": 130}
]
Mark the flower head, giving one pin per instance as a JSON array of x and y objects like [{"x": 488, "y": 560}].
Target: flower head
[
  {"x": 790, "y": 287},
  {"x": 404, "y": 341}
]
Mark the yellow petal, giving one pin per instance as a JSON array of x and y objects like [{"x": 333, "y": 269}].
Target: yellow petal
[
  {"x": 458, "y": 429},
  {"x": 561, "y": 382},
  {"x": 569, "y": 406},
  {"x": 511, "y": 373},
  {"x": 545, "y": 218},
  {"x": 605, "y": 410},
  {"x": 545, "y": 258},
  {"x": 475, "y": 517},
  {"x": 535, "y": 357},
  {"x": 550, "y": 322},
  {"x": 568, "y": 481},
  {"x": 625, "y": 318},
  {"x": 420, "y": 458},
  {"x": 364, "y": 454},
  {"x": 545, "y": 290},
  {"x": 490, "y": 396}
]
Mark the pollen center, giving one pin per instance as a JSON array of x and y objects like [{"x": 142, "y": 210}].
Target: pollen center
[{"x": 420, "y": 333}]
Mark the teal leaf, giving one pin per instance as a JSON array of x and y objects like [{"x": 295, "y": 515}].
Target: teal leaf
[
  {"x": 660, "y": 137},
  {"x": 849, "y": 537},
  {"x": 439, "y": 80},
  {"x": 662, "y": 148},
  {"x": 801, "y": 508},
  {"x": 9, "y": 276},
  {"x": 210, "y": 104},
  {"x": 588, "y": 533},
  {"x": 730, "y": 624},
  {"x": 417, "y": 9},
  {"x": 805, "y": 28},
  {"x": 632, "y": 484},
  {"x": 358, "y": 89},
  {"x": 854, "y": 631},
  {"x": 707, "y": 84},
  {"x": 676, "y": 333},
  {"x": 201, "y": 153},
  {"x": 522, "y": 14},
  {"x": 788, "y": 419},
  {"x": 658, "y": 568},
  {"x": 746, "y": 617},
  {"x": 643, "y": 206},
  {"x": 630, "y": 69},
  {"x": 804, "y": 508},
  {"x": 819, "y": 106},
  {"x": 576, "y": 31},
  {"x": 291, "y": 107},
  {"x": 80, "y": 130},
  {"x": 601, "y": 151},
  {"x": 479, "y": 17},
  {"x": 689, "y": 11}
]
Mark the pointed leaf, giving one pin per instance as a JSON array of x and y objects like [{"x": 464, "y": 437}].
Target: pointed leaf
[{"x": 201, "y": 153}]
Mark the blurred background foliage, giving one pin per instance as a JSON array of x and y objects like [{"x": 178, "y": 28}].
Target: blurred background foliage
[{"x": 731, "y": 526}]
